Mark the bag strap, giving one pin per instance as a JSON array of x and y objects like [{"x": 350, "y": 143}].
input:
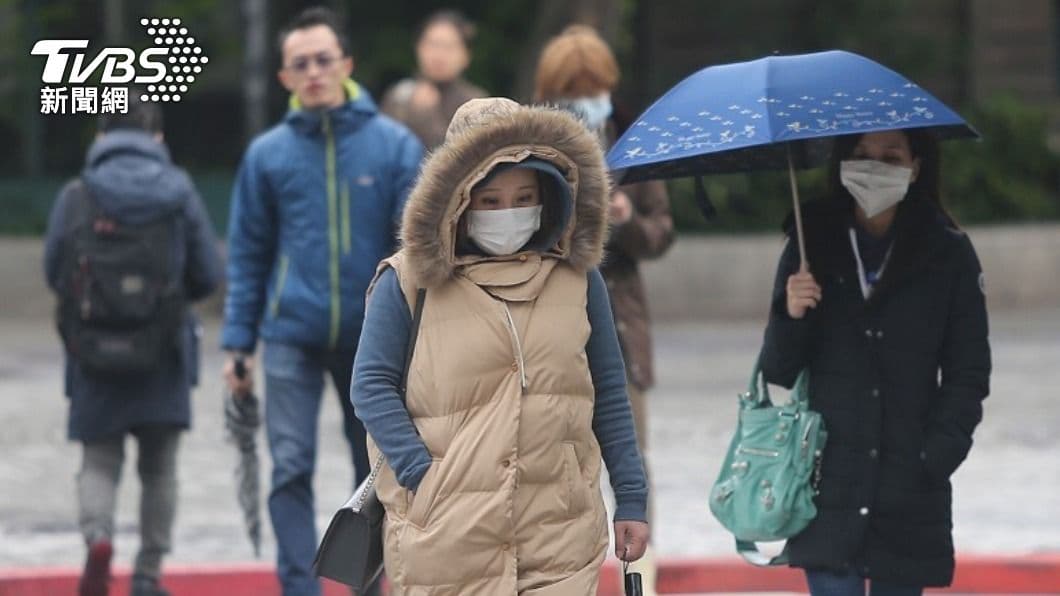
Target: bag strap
[
  {"x": 757, "y": 394},
  {"x": 414, "y": 332},
  {"x": 80, "y": 209},
  {"x": 749, "y": 551}
]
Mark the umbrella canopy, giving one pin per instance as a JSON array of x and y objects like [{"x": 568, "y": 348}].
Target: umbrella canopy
[
  {"x": 242, "y": 419},
  {"x": 738, "y": 117}
]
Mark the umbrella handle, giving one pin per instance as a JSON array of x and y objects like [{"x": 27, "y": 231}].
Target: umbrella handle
[{"x": 804, "y": 265}]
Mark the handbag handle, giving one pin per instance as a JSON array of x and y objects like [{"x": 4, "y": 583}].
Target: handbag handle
[
  {"x": 414, "y": 332},
  {"x": 757, "y": 394}
]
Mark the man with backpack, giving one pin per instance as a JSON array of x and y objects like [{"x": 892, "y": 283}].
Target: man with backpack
[{"x": 129, "y": 246}]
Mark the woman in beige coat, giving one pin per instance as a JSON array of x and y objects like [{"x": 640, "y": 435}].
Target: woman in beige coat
[{"x": 516, "y": 389}]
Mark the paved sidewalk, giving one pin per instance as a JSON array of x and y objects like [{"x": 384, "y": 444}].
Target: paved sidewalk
[{"x": 1007, "y": 494}]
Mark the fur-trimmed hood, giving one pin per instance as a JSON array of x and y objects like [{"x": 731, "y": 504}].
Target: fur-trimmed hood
[{"x": 483, "y": 134}]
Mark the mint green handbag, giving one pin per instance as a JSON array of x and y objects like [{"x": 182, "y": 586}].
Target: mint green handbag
[{"x": 766, "y": 487}]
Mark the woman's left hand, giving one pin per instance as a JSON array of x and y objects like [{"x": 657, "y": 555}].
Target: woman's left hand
[
  {"x": 620, "y": 209},
  {"x": 631, "y": 539}
]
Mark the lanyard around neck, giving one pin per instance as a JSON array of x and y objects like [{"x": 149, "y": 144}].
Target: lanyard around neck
[{"x": 866, "y": 287}]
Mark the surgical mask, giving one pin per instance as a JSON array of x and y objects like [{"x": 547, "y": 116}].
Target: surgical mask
[
  {"x": 594, "y": 111},
  {"x": 875, "y": 185},
  {"x": 503, "y": 231}
]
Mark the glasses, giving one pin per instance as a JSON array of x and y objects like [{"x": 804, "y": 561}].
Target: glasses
[{"x": 301, "y": 64}]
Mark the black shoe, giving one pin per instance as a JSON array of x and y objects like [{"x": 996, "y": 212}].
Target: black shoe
[{"x": 147, "y": 586}]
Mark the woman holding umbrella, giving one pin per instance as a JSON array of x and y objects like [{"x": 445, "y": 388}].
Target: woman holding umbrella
[{"x": 890, "y": 319}]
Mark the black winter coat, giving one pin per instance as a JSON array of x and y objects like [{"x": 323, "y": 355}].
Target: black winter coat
[{"x": 899, "y": 379}]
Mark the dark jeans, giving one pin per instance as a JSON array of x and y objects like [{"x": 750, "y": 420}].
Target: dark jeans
[
  {"x": 294, "y": 384},
  {"x": 828, "y": 583}
]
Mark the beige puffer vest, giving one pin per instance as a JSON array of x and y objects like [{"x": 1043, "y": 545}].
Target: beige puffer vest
[{"x": 500, "y": 390}]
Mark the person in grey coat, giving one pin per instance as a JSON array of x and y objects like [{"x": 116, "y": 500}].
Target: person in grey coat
[{"x": 131, "y": 179}]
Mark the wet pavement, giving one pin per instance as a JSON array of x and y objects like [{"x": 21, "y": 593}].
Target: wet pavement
[{"x": 1006, "y": 495}]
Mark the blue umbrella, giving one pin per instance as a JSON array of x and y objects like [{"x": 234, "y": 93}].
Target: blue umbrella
[{"x": 772, "y": 113}]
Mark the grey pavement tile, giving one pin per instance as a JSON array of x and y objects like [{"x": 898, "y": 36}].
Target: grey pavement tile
[{"x": 1007, "y": 493}]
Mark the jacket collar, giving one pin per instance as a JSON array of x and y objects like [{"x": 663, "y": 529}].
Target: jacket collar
[
  {"x": 919, "y": 245},
  {"x": 349, "y": 116},
  {"x": 919, "y": 240}
]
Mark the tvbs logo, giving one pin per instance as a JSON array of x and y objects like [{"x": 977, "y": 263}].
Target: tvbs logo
[
  {"x": 119, "y": 64},
  {"x": 166, "y": 69}
]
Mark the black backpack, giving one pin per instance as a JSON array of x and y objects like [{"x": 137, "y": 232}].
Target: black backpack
[{"x": 121, "y": 299}]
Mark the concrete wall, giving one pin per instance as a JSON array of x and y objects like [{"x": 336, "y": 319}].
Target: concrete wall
[
  {"x": 732, "y": 276},
  {"x": 700, "y": 278}
]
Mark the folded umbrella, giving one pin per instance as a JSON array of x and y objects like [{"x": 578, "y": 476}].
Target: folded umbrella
[{"x": 242, "y": 420}]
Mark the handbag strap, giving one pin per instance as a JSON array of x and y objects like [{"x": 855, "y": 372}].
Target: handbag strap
[
  {"x": 414, "y": 332},
  {"x": 757, "y": 394}
]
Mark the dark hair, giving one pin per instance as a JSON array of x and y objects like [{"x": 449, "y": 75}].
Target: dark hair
[
  {"x": 922, "y": 144},
  {"x": 141, "y": 116},
  {"x": 313, "y": 17},
  {"x": 464, "y": 27}
]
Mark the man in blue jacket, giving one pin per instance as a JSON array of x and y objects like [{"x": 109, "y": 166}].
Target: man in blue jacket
[
  {"x": 315, "y": 207},
  {"x": 129, "y": 188}
]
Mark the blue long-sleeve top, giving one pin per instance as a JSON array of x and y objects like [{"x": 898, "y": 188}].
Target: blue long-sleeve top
[{"x": 380, "y": 362}]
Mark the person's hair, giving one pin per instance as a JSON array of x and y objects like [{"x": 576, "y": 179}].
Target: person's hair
[
  {"x": 922, "y": 144},
  {"x": 448, "y": 16},
  {"x": 142, "y": 115},
  {"x": 313, "y": 17},
  {"x": 575, "y": 63}
]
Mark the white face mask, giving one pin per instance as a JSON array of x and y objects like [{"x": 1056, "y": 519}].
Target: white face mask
[
  {"x": 875, "y": 185},
  {"x": 503, "y": 231},
  {"x": 594, "y": 111}
]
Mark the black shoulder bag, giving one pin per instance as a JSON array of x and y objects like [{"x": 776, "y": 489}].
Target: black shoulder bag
[{"x": 351, "y": 551}]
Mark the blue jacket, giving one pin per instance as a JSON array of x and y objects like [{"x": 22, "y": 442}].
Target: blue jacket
[
  {"x": 315, "y": 207},
  {"x": 131, "y": 177}
]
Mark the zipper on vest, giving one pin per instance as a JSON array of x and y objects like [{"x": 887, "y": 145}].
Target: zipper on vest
[
  {"x": 518, "y": 346},
  {"x": 333, "y": 230}
]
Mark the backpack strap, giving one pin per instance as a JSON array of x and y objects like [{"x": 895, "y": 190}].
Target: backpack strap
[{"x": 80, "y": 207}]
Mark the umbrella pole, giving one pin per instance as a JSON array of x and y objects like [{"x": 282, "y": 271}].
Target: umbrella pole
[{"x": 803, "y": 265}]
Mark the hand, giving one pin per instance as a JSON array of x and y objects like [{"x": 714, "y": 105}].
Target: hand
[
  {"x": 803, "y": 293},
  {"x": 237, "y": 385},
  {"x": 631, "y": 540},
  {"x": 425, "y": 96},
  {"x": 621, "y": 208}
]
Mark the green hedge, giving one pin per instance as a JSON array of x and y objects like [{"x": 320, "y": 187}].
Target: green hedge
[
  {"x": 26, "y": 202},
  {"x": 1008, "y": 176}
]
